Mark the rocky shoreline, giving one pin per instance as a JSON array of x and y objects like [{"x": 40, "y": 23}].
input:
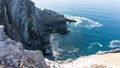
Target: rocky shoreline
[
  {"x": 108, "y": 60},
  {"x": 32, "y": 26}
]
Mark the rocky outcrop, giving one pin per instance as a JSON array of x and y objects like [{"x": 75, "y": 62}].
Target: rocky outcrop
[
  {"x": 27, "y": 24},
  {"x": 12, "y": 54}
]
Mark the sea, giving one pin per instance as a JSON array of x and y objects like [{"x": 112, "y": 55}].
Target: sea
[{"x": 97, "y": 28}]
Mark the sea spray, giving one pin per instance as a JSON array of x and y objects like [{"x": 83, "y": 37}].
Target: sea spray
[
  {"x": 60, "y": 53},
  {"x": 91, "y": 24},
  {"x": 54, "y": 44},
  {"x": 114, "y": 44}
]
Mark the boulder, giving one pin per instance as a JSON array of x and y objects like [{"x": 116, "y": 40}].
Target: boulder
[{"x": 13, "y": 55}]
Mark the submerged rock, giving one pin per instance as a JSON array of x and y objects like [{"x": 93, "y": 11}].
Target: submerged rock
[{"x": 32, "y": 26}]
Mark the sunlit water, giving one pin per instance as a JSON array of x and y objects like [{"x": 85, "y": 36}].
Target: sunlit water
[{"x": 97, "y": 27}]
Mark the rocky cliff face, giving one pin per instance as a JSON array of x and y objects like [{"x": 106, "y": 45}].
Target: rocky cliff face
[{"x": 25, "y": 23}]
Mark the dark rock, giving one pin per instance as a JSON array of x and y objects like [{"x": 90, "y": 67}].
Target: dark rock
[
  {"x": 27, "y": 24},
  {"x": 70, "y": 20}
]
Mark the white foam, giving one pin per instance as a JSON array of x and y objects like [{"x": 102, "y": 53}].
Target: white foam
[
  {"x": 74, "y": 50},
  {"x": 55, "y": 48},
  {"x": 100, "y": 52},
  {"x": 114, "y": 43},
  {"x": 76, "y": 18},
  {"x": 91, "y": 23},
  {"x": 58, "y": 51},
  {"x": 95, "y": 44}
]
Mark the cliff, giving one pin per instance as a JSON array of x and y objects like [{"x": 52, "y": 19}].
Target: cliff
[{"x": 32, "y": 26}]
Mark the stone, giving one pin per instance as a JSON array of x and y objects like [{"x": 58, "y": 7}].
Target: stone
[
  {"x": 13, "y": 55},
  {"x": 2, "y": 44},
  {"x": 2, "y": 35}
]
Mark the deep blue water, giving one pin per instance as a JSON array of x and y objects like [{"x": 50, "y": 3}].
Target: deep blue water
[{"x": 98, "y": 30}]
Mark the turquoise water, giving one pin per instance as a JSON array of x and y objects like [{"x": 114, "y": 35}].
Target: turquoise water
[{"x": 97, "y": 29}]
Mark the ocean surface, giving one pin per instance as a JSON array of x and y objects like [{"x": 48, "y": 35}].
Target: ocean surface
[{"x": 97, "y": 27}]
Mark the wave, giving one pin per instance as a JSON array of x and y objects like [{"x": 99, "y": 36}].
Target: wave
[
  {"x": 74, "y": 50},
  {"x": 76, "y": 18},
  {"x": 114, "y": 44},
  {"x": 95, "y": 44},
  {"x": 91, "y": 23},
  {"x": 54, "y": 44},
  {"x": 109, "y": 51},
  {"x": 57, "y": 51}
]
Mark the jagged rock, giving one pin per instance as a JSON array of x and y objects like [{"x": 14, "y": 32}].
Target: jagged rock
[
  {"x": 13, "y": 55},
  {"x": 27, "y": 24}
]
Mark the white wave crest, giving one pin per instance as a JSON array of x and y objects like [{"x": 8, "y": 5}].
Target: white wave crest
[
  {"x": 95, "y": 44},
  {"x": 76, "y": 18},
  {"x": 100, "y": 52},
  {"x": 114, "y": 43},
  {"x": 91, "y": 23},
  {"x": 54, "y": 44},
  {"x": 74, "y": 50}
]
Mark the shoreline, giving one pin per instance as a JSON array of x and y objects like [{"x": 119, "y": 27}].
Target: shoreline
[{"x": 110, "y": 59}]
